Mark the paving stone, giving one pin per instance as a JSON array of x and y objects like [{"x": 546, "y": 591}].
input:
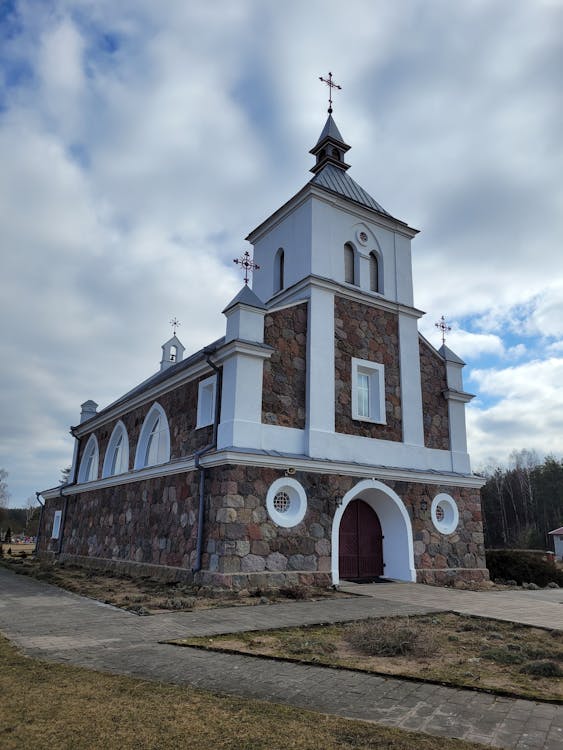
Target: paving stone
[{"x": 71, "y": 629}]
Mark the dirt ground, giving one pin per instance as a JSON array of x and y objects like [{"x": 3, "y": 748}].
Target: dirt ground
[
  {"x": 453, "y": 649},
  {"x": 145, "y": 596}
]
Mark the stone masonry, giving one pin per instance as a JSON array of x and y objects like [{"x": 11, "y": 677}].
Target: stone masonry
[
  {"x": 367, "y": 333},
  {"x": 151, "y": 527},
  {"x": 434, "y": 404},
  {"x": 283, "y": 392}
]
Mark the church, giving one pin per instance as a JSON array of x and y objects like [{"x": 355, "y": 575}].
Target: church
[{"x": 322, "y": 438}]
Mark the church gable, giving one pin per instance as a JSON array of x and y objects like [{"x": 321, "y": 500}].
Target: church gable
[
  {"x": 434, "y": 405},
  {"x": 285, "y": 373},
  {"x": 370, "y": 335}
]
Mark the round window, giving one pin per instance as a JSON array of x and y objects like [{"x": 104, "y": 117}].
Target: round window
[
  {"x": 445, "y": 515},
  {"x": 286, "y": 502}
]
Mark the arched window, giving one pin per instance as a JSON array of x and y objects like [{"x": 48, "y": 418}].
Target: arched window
[
  {"x": 116, "y": 460},
  {"x": 88, "y": 470},
  {"x": 336, "y": 153},
  {"x": 154, "y": 441},
  {"x": 374, "y": 272},
  {"x": 279, "y": 270},
  {"x": 349, "y": 275},
  {"x": 173, "y": 353}
]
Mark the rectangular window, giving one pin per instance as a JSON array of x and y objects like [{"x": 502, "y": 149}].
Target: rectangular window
[
  {"x": 368, "y": 391},
  {"x": 56, "y": 524},
  {"x": 206, "y": 402}
]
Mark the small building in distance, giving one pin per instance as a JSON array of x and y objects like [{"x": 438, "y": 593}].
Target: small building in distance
[{"x": 321, "y": 438}]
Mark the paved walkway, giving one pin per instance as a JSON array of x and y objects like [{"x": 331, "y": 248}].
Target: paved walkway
[{"x": 49, "y": 623}]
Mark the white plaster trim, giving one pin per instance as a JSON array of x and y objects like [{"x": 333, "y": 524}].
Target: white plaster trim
[
  {"x": 298, "y": 502},
  {"x": 299, "y": 463},
  {"x": 92, "y": 444},
  {"x": 155, "y": 412},
  {"x": 203, "y": 420},
  {"x": 393, "y": 529},
  {"x": 460, "y": 396},
  {"x": 342, "y": 468},
  {"x": 238, "y": 346},
  {"x": 108, "y": 458},
  {"x": 137, "y": 475},
  {"x": 451, "y": 514},
  {"x": 301, "y": 292}
]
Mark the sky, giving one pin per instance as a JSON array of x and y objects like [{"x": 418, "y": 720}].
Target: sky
[{"x": 141, "y": 141}]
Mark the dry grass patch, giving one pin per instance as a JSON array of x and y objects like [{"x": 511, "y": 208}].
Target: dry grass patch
[
  {"x": 54, "y": 706},
  {"x": 447, "y": 648},
  {"x": 146, "y": 596}
]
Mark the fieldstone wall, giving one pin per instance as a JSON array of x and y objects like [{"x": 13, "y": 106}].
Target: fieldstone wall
[
  {"x": 150, "y": 527},
  {"x": 372, "y": 334},
  {"x": 151, "y": 522},
  {"x": 285, "y": 373},
  {"x": 434, "y": 404},
  {"x": 180, "y": 406}
]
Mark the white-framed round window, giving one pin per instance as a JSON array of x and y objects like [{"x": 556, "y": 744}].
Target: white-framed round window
[
  {"x": 286, "y": 502},
  {"x": 444, "y": 512}
]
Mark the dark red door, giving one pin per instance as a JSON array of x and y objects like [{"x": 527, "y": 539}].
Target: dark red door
[{"x": 360, "y": 554}]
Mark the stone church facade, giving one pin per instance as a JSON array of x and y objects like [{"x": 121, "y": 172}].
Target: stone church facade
[{"x": 321, "y": 438}]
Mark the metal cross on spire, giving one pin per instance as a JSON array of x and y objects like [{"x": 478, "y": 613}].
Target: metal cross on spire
[
  {"x": 444, "y": 328},
  {"x": 174, "y": 323},
  {"x": 247, "y": 263},
  {"x": 331, "y": 85}
]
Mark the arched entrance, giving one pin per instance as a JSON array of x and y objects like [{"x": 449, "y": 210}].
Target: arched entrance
[
  {"x": 360, "y": 555},
  {"x": 395, "y": 526}
]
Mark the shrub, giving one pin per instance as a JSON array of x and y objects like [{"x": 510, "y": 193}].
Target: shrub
[
  {"x": 390, "y": 637},
  {"x": 503, "y": 655},
  {"x": 543, "y": 669},
  {"x": 294, "y": 592},
  {"x": 522, "y": 566}
]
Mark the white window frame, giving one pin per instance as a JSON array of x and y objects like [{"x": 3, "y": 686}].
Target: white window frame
[
  {"x": 297, "y": 497},
  {"x": 119, "y": 431},
  {"x": 155, "y": 414},
  {"x": 448, "y": 524},
  {"x": 206, "y": 395},
  {"x": 376, "y": 375},
  {"x": 90, "y": 461},
  {"x": 57, "y": 518}
]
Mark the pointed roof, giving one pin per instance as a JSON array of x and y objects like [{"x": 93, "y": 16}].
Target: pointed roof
[
  {"x": 246, "y": 297},
  {"x": 330, "y": 131},
  {"x": 450, "y": 356}
]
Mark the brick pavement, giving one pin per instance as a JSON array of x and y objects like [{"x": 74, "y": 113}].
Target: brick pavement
[{"x": 49, "y": 623}]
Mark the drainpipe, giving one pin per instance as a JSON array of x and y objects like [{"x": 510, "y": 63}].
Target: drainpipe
[
  {"x": 201, "y": 452},
  {"x": 72, "y": 478},
  {"x": 38, "y": 535}
]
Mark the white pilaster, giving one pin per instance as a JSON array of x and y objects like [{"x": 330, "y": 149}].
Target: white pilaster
[{"x": 411, "y": 393}]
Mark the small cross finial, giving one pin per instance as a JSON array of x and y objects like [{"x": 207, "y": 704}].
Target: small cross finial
[
  {"x": 246, "y": 263},
  {"x": 444, "y": 328},
  {"x": 174, "y": 323},
  {"x": 331, "y": 85}
]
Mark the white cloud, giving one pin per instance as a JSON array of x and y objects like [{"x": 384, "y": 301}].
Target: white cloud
[
  {"x": 139, "y": 146},
  {"x": 527, "y": 413}
]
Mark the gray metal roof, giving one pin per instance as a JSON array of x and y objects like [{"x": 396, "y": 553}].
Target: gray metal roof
[
  {"x": 159, "y": 377},
  {"x": 246, "y": 297},
  {"x": 450, "y": 356},
  {"x": 336, "y": 180},
  {"x": 330, "y": 131}
]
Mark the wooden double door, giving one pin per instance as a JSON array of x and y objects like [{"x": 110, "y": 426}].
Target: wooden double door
[{"x": 360, "y": 556}]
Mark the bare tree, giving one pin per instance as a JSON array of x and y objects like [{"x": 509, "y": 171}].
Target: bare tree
[
  {"x": 4, "y": 493},
  {"x": 65, "y": 475}
]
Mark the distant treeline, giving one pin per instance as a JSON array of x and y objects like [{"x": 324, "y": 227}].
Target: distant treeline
[
  {"x": 523, "y": 502},
  {"x": 19, "y": 521}
]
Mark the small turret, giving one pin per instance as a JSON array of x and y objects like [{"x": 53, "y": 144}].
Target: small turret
[
  {"x": 172, "y": 352},
  {"x": 87, "y": 410}
]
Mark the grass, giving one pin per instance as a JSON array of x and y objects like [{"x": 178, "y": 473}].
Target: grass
[
  {"x": 48, "y": 705},
  {"x": 147, "y": 596},
  {"x": 482, "y": 654}
]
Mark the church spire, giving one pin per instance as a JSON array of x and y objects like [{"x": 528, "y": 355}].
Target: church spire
[{"x": 330, "y": 148}]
